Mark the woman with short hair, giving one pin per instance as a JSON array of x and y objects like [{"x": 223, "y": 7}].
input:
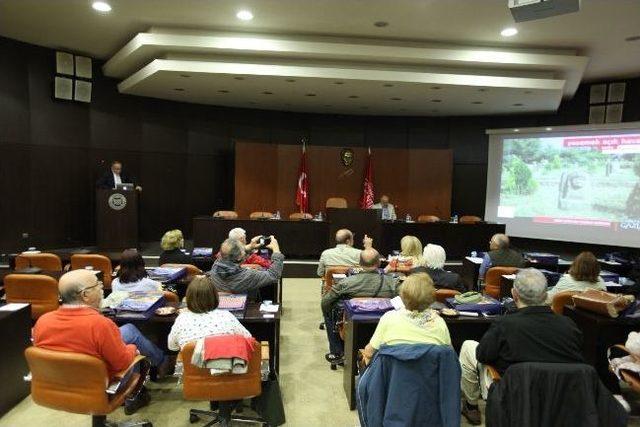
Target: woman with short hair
[
  {"x": 416, "y": 323},
  {"x": 203, "y": 318},
  {"x": 411, "y": 249},
  {"x": 172, "y": 242},
  {"x": 432, "y": 263},
  {"x": 584, "y": 274},
  {"x": 132, "y": 276}
]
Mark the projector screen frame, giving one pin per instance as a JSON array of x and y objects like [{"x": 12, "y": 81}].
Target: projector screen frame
[{"x": 567, "y": 233}]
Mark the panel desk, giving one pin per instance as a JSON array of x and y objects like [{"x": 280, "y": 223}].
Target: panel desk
[
  {"x": 297, "y": 239},
  {"x": 15, "y": 335},
  {"x": 359, "y": 330}
]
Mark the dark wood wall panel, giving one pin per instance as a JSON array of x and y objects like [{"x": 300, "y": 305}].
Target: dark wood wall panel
[
  {"x": 418, "y": 181},
  {"x": 51, "y": 153}
]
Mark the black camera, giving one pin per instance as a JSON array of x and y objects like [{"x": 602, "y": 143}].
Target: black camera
[{"x": 264, "y": 241}]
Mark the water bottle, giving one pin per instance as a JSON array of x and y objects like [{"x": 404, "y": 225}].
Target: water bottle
[
  {"x": 474, "y": 254},
  {"x": 320, "y": 216},
  {"x": 454, "y": 219},
  {"x": 278, "y": 215},
  {"x": 407, "y": 218}
]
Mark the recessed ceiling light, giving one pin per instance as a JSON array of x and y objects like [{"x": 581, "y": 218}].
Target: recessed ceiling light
[
  {"x": 395, "y": 99},
  {"x": 387, "y": 85},
  {"x": 436, "y": 87},
  {"x": 252, "y": 102},
  {"x": 482, "y": 89},
  {"x": 244, "y": 15},
  {"x": 632, "y": 38},
  {"x": 186, "y": 76},
  {"x": 310, "y": 94},
  {"x": 436, "y": 100},
  {"x": 223, "y": 91},
  {"x": 101, "y": 6},
  {"x": 435, "y": 110},
  {"x": 364, "y": 107},
  {"x": 178, "y": 89},
  {"x": 477, "y": 102},
  {"x": 381, "y": 24},
  {"x": 266, "y": 92},
  {"x": 516, "y": 130},
  {"x": 290, "y": 80},
  {"x": 527, "y": 92},
  {"x": 517, "y": 104},
  {"x": 354, "y": 96},
  {"x": 509, "y": 32},
  {"x": 547, "y": 129},
  {"x": 338, "y": 83},
  {"x": 327, "y": 105},
  {"x": 239, "y": 78}
]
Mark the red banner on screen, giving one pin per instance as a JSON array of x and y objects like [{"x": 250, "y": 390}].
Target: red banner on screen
[
  {"x": 602, "y": 142},
  {"x": 572, "y": 221}
]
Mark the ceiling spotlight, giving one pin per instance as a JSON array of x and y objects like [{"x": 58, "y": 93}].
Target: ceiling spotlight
[
  {"x": 516, "y": 130},
  {"x": 239, "y": 78},
  {"x": 101, "y": 6},
  {"x": 244, "y": 15},
  {"x": 223, "y": 91},
  {"x": 353, "y": 96},
  {"x": 185, "y": 75},
  {"x": 266, "y": 92},
  {"x": 310, "y": 94},
  {"x": 518, "y": 104},
  {"x": 290, "y": 80},
  {"x": 476, "y": 102},
  {"x": 508, "y": 32},
  {"x": 381, "y": 24},
  {"x": 179, "y": 89},
  {"x": 436, "y": 100},
  {"x": 548, "y": 129},
  {"x": 387, "y": 85},
  {"x": 395, "y": 99},
  {"x": 482, "y": 90},
  {"x": 632, "y": 39},
  {"x": 338, "y": 83},
  {"x": 528, "y": 92}
]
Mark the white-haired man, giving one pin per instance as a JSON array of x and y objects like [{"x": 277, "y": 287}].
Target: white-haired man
[
  {"x": 500, "y": 254},
  {"x": 251, "y": 256},
  {"x": 533, "y": 333}
]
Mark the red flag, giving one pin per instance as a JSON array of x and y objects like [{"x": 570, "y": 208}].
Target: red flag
[
  {"x": 302, "y": 192},
  {"x": 366, "y": 201}
]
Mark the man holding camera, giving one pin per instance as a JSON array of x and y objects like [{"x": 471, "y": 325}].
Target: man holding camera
[
  {"x": 227, "y": 275},
  {"x": 250, "y": 248}
]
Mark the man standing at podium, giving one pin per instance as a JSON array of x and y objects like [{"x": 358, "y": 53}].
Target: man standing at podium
[
  {"x": 388, "y": 211},
  {"x": 114, "y": 177}
]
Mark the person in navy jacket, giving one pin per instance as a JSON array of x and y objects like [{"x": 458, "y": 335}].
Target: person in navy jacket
[{"x": 115, "y": 176}]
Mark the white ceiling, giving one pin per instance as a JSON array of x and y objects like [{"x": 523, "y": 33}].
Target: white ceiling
[{"x": 451, "y": 44}]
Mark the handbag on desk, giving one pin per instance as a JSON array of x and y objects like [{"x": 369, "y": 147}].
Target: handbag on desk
[{"x": 602, "y": 302}]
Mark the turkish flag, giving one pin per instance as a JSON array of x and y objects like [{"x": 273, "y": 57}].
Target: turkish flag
[
  {"x": 366, "y": 201},
  {"x": 302, "y": 192}
]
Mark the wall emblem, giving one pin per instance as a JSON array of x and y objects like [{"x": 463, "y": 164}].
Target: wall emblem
[
  {"x": 117, "y": 201},
  {"x": 346, "y": 155}
]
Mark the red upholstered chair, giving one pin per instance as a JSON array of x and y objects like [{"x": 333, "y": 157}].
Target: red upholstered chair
[
  {"x": 442, "y": 294},
  {"x": 36, "y": 289},
  {"x": 493, "y": 278},
  {"x": 225, "y": 214},
  {"x": 46, "y": 261},
  {"x": 428, "y": 218},
  {"x": 469, "y": 219},
  {"x": 98, "y": 262},
  {"x": 336, "y": 202},
  {"x": 328, "y": 275},
  {"x": 192, "y": 270}
]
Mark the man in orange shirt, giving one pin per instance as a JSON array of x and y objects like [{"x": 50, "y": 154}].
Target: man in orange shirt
[{"x": 78, "y": 326}]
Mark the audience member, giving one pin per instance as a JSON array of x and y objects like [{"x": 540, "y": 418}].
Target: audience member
[
  {"x": 250, "y": 248},
  {"x": 202, "y": 317},
  {"x": 532, "y": 334},
  {"x": 411, "y": 249},
  {"x": 227, "y": 274},
  {"x": 368, "y": 283},
  {"x": 584, "y": 274},
  {"x": 388, "y": 211},
  {"x": 78, "y": 326},
  {"x": 500, "y": 255},
  {"x": 432, "y": 263},
  {"x": 132, "y": 276},
  {"x": 344, "y": 253},
  {"x": 172, "y": 244},
  {"x": 414, "y": 324}
]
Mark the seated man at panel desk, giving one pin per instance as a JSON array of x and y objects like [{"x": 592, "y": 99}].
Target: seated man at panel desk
[
  {"x": 388, "y": 211},
  {"x": 369, "y": 283},
  {"x": 344, "y": 253},
  {"x": 228, "y": 276}
]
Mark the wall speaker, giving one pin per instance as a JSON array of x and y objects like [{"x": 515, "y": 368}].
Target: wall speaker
[
  {"x": 82, "y": 91},
  {"x": 64, "y": 63},
  {"x": 63, "y": 88},
  {"x": 83, "y": 67}
]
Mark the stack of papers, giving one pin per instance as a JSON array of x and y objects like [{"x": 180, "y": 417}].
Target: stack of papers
[{"x": 269, "y": 308}]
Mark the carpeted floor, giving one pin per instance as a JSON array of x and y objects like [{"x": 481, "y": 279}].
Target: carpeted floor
[{"x": 312, "y": 393}]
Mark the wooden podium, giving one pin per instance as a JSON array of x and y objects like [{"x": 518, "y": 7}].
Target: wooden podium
[{"x": 116, "y": 219}]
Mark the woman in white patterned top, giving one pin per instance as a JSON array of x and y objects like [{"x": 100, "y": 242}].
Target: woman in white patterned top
[{"x": 202, "y": 317}]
